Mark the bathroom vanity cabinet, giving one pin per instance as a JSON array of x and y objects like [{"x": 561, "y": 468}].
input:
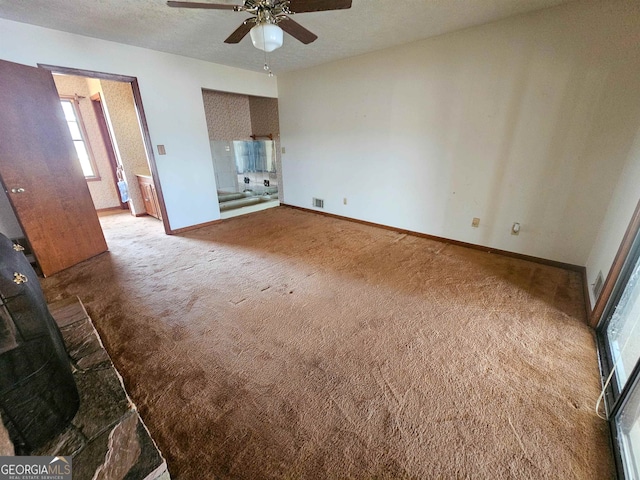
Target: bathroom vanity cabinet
[{"x": 149, "y": 195}]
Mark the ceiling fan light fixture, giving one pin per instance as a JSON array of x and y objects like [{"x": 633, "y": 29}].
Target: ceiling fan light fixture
[{"x": 266, "y": 36}]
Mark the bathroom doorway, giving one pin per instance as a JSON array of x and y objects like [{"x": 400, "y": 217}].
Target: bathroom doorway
[{"x": 105, "y": 126}]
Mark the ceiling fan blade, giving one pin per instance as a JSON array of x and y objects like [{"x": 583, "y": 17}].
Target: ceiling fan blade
[
  {"x": 304, "y": 6},
  {"x": 241, "y": 31},
  {"x": 211, "y": 6},
  {"x": 297, "y": 31}
]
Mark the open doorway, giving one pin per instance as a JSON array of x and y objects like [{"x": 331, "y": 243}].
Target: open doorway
[
  {"x": 100, "y": 179},
  {"x": 106, "y": 131}
]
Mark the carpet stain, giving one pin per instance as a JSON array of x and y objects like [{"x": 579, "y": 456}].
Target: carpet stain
[{"x": 285, "y": 344}]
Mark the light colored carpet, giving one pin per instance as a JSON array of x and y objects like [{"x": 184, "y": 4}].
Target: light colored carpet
[{"x": 285, "y": 344}]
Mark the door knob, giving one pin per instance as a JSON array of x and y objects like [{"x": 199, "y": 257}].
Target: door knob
[{"x": 17, "y": 190}]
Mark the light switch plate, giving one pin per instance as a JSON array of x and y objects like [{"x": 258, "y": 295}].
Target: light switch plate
[{"x": 161, "y": 150}]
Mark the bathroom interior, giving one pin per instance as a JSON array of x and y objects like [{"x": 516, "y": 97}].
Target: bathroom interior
[{"x": 245, "y": 150}]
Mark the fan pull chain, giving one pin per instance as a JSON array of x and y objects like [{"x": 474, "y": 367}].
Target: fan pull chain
[{"x": 266, "y": 64}]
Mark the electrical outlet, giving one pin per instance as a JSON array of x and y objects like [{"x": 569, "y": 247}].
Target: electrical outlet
[
  {"x": 284, "y": 150},
  {"x": 475, "y": 223},
  {"x": 515, "y": 228},
  {"x": 344, "y": 200}
]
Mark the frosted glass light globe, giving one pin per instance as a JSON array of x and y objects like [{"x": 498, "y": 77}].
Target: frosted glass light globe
[{"x": 266, "y": 36}]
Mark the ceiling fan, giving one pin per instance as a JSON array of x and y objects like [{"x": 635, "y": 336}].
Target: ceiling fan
[{"x": 270, "y": 18}]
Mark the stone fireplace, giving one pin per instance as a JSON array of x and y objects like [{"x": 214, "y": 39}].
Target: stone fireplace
[
  {"x": 38, "y": 395},
  {"x": 60, "y": 394}
]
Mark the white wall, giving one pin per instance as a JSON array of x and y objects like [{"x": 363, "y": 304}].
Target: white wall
[
  {"x": 171, "y": 88},
  {"x": 617, "y": 218},
  {"x": 529, "y": 119}
]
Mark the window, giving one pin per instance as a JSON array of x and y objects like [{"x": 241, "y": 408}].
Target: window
[
  {"x": 618, "y": 336},
  {"x": 78, "y": 135}
]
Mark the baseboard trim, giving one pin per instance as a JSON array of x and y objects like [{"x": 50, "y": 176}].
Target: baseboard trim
[
  {"x": 110, "y": 209},
  {"x": 482, "y": 248},
  {"x": 543, "y": 261},
  {"x": 193, "y": 227}
]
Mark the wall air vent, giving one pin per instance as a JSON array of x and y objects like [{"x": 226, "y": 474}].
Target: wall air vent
[
  {"x": 318, "y": 203},
  {"x": 597, "y": 286}
]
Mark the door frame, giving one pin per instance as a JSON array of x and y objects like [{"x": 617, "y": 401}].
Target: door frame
[
  {"x": 617, "y": 277},
  {"x": 616, "y": 268},
  {"x": 106, "y": 134},
  {"x": 137, "y": 98}
]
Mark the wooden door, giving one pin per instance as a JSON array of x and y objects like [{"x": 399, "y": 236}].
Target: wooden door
[{"x": 40, "y": 171}]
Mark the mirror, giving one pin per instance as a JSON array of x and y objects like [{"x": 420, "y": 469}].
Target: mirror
[{"x": 246, "y": 174}]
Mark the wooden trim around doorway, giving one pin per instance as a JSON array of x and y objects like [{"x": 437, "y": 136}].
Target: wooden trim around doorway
[
  {"x": 152, "y": 159},
  {"x": 137, "y": 98},
  {"x": 105, "y": 132}
]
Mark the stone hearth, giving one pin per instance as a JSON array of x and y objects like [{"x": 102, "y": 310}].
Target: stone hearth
[{"x": 107, "y": 438}]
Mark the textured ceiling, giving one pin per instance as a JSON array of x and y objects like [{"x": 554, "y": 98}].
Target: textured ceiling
[{"x": 368, "y": 26}]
